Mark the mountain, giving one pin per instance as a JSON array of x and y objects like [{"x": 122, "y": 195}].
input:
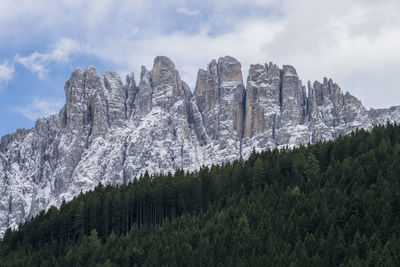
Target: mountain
[
  {"x": 334, "y": 203},
  {"x": 111, "y": 132}
]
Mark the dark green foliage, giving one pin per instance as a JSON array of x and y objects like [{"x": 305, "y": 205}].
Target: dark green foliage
[{"x": 334, "y": 203}]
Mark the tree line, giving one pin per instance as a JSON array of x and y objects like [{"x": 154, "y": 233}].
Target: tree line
[{"x": 334, "y": 203}]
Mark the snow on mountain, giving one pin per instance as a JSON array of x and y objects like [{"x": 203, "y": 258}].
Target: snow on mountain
[{"x": 111, "y": 132}]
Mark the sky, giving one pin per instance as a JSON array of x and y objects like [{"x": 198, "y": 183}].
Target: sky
[{"x": 356, "y": 43}]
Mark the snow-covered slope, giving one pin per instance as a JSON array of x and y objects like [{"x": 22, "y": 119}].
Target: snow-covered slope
[{"x": 111, "y": 132}]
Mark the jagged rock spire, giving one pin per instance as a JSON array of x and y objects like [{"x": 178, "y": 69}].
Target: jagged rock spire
[
  {"x": 142, "y": 102},
  {"x": 221, "y": 87},
  {"x": 263, "y": 98},
  {"x": 109, "y": 132},
  {"x": 131, "y": 91}
]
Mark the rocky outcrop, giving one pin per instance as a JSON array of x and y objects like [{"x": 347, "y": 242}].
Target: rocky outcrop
[
  {"x": 111, "y": 132},
  {"x": 263, "y": 99},
  {"x": 163, "y": 133},
  {"x": 378, "y": 116},
  {"x": 220, "y": 96},
  {"x": 332, "y": 113}
]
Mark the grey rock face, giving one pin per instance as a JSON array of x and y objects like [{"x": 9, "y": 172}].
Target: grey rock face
[
  {"x": 116, "y": 98},
  {"x": 131, "y": 90},
  {"x": 332, "y": 113},
  {"x": 293, "y": 107},
  {"x": 220, "y": 96},
  {"x": 163, "y": 132},
  {"x": 380, "y": 116},
  {"x": 292, "y": 96},
  {"x": 142, "y": 102},
  {"x": 262, "y": 99},
  {"x": 110, "y": 132}
]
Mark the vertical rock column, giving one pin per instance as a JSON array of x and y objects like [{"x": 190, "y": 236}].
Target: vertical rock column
[
  {"x": 262, "y": 107},
  {"x": 142, "y": 103},
  {"x": 293, "y": 109},
  {"x": 293, "y": 97},
  {"x": 262, "y": 99},
  {"x": 116, "y": 98},
  {"x": 131, "y": 91},
  {"x": 220, "y": 95},
  {"x": 163, "y": 123}
]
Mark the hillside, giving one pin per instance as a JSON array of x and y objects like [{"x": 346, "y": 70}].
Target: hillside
[{"x": 328, "y": 204}]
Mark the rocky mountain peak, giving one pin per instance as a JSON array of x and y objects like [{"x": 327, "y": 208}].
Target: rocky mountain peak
[
  {"x": 229, "y": 70},
  {"x": 142, "y": 102},
  {"x": 166, "y": 82},
  {"x": 111, "y": 132},
  {"x": 164, "y": 71},
  {"x": 289, "y": 70},
  {"x": 263, "y": 97},
  {"x": 131, "y": 91},
  {"x": 91, "y": 81},
  {"x": 219, "y": 94}
]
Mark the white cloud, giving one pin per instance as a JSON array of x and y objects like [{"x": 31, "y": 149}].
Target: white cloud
[
  {"x": 191, "y": 52},
  {"x": 40, "y": 107},
  {"x": 187, "y": 11},
  {"x": 34, "y": 62},
  {"x": 354, "y": 42},
  {"x": 60, "y": 52},
  {"x": 6, "y": 72}
]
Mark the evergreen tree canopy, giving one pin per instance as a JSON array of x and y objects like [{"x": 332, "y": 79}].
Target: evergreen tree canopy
[{"x": 334, "y": 203}]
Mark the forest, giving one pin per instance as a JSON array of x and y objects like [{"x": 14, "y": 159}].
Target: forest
[{"x": 334, "y": 203}]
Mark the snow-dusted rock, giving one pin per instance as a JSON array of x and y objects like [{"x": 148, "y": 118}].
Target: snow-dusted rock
[
  {"x": 220, "y": 96},
  {"x": 110, "y": 132},
  {"x": 262, "y": 99}
]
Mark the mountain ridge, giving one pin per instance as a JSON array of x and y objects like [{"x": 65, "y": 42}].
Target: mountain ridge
[{"x": 118, "y": 131}]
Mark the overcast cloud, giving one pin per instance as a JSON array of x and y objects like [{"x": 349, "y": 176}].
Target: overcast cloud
[{"x": 356, "y": 43}]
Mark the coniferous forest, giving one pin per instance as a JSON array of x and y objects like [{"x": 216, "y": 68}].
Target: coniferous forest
[{"x": 334, "y": 203}]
